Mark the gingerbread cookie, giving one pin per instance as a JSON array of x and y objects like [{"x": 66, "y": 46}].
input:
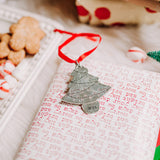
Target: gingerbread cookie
[
  {"x": 4, "y": 49},
  {"x": 2, "y": 61},
  {"x": 16, "y": 57},
  {"x": 7, "y": 53},
  {"x": 26, "y": 34}
]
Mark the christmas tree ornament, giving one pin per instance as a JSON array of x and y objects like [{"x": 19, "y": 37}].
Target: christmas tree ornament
[{"x": 84, "y": 88}]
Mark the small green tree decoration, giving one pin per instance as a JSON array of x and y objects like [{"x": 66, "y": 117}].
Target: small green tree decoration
[{"x": 155, "y": 55}]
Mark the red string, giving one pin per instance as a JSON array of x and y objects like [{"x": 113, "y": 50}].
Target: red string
[{"x": 90, "y": 36}]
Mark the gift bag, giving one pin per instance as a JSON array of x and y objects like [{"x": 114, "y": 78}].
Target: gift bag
[{"x": 113, "y": 13}]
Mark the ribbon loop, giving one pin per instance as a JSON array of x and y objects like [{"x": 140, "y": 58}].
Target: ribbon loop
[{"x": 90, "y": 36}]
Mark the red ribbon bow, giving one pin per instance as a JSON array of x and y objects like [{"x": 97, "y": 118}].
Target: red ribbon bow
[{"x": 73, "y": 36}]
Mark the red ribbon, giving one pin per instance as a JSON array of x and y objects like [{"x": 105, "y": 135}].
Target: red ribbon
[{"x": 73, "y": 36}]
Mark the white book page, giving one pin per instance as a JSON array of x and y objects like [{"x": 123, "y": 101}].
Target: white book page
[{"x": 125, "y": 128}]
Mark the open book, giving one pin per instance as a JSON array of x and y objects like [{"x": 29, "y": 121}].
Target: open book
[{"x": 125, "y": 128}]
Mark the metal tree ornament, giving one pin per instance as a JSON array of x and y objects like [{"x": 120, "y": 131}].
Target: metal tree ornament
[{"x": 83, "y": 89}]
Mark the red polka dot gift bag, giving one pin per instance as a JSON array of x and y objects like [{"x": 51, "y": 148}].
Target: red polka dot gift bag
[{"x": 114, "y": 13}]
